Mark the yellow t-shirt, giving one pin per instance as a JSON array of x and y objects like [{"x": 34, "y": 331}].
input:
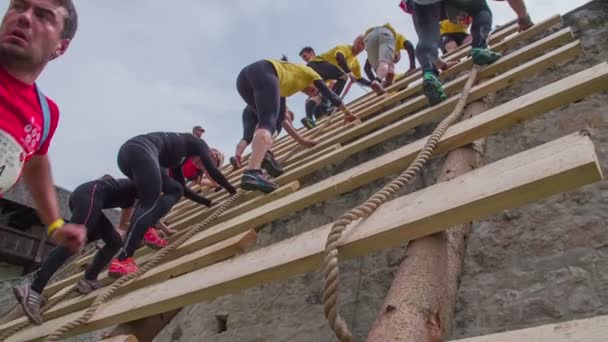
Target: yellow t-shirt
[
  {"x": 293, "y": 77},
  {"x": 399, "y": 38},
  {"x": 346, "y": 50},
  {"x": 449, "y": 27}
]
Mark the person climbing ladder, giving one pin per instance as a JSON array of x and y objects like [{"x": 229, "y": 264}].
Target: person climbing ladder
[
  {"x": 427, "y": 15},
  {"x": 264, "y": 85},
  {"x": 141, "y": 159},
  {"x": 86, "y": 203}
]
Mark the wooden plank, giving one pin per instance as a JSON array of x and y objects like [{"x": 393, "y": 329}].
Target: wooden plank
[
  {"x": 557, "y": 166},
  {"x": 594, "y": 329},
  {"x": 530, "y": 105}
]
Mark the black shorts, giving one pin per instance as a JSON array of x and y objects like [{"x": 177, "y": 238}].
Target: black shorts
[
  {"x": 258, "y": 85},
  {"x": 457, "y": 37}
]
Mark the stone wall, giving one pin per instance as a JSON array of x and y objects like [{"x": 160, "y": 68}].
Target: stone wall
[{"x": 547, "y": 261}]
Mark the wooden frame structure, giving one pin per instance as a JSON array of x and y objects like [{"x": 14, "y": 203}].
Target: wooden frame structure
[{"x": 213, "y": 262}]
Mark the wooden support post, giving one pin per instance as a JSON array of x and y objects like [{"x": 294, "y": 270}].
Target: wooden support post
[
  {"x": 594, "y": 329},
  {"x": 420, "y": 303},
  {"x": 561, "y": 165}
]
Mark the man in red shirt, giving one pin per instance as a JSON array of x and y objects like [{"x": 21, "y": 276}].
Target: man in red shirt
[{"x": 32, "y": 33}]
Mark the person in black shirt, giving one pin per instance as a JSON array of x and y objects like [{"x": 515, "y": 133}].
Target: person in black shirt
[
  {"x": 142, "y": 159},
  {"x": 86, "y": 203}
]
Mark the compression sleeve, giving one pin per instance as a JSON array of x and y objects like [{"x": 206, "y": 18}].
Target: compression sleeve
[
  {"x": 411, "y": 52},
  {"x": 368, "y": 70},
  {"x": 327, "y": 93},
  {"x": 342, "y": 62}
]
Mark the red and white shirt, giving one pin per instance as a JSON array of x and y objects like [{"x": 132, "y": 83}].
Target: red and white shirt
[{"x": 21, "y": 126}]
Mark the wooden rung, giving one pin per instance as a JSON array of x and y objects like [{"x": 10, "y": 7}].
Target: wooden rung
[
  {"x": 594, "y": 329},
  {"x": 561, "y": 165},
  {"x": 530, "y": 105}
]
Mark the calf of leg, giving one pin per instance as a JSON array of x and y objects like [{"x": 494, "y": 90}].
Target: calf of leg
[
  {"x": 112, "y": 242},
  {"x": 53, "y": 262}
]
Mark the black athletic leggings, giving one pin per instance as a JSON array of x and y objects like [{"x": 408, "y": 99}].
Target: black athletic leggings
[
  {"x": 426, "y": 21},
  {"x": 86, "y": 203},
  {"x": 328, "y": 71},
  {"x": 156, "y": 191},
  {"x": 258, "y": 85}
]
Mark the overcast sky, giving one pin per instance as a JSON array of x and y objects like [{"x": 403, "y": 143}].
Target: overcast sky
[{"x": 154, "y": 65}]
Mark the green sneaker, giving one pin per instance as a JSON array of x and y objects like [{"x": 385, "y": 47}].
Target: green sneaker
[
  {"x": 433, "y": 89},
  {"x": 484, "y": 56},
  {"x": 308, "y": 123}
]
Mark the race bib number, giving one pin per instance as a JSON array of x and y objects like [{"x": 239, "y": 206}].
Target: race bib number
[{"x": 12, "y": 159}]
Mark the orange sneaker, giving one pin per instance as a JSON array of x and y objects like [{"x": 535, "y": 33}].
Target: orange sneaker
[
  {"x": 120, "y": 268},
  {"x": 153, "y": 240}
]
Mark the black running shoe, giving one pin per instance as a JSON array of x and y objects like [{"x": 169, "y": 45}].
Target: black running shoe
[
  {"x": 308, "y": 123},
  {"x": 271, "y": 165},
  {"x": 255, "y": 180}
]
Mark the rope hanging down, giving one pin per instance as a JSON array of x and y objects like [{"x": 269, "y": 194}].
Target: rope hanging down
[
  {"x": 156, "y": 259},
  {"x": 330, "y": 262}
]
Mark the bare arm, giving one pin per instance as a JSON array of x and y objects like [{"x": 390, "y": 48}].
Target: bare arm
[
  {"x": 296, "y": 136},
  {"x": 38, "y": 178}
]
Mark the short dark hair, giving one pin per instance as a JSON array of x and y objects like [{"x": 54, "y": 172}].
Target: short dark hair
[
  {"x": 284, "y": 58},
  {"x": 306, "y": 49},
  {"x": 197, "y": 128},
  {"x": 70, "y": 23}
]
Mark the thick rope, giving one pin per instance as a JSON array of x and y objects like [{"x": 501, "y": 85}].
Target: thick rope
[
  {"x": 330, "y": 262},
  {"x": 156, "y": 259}
]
